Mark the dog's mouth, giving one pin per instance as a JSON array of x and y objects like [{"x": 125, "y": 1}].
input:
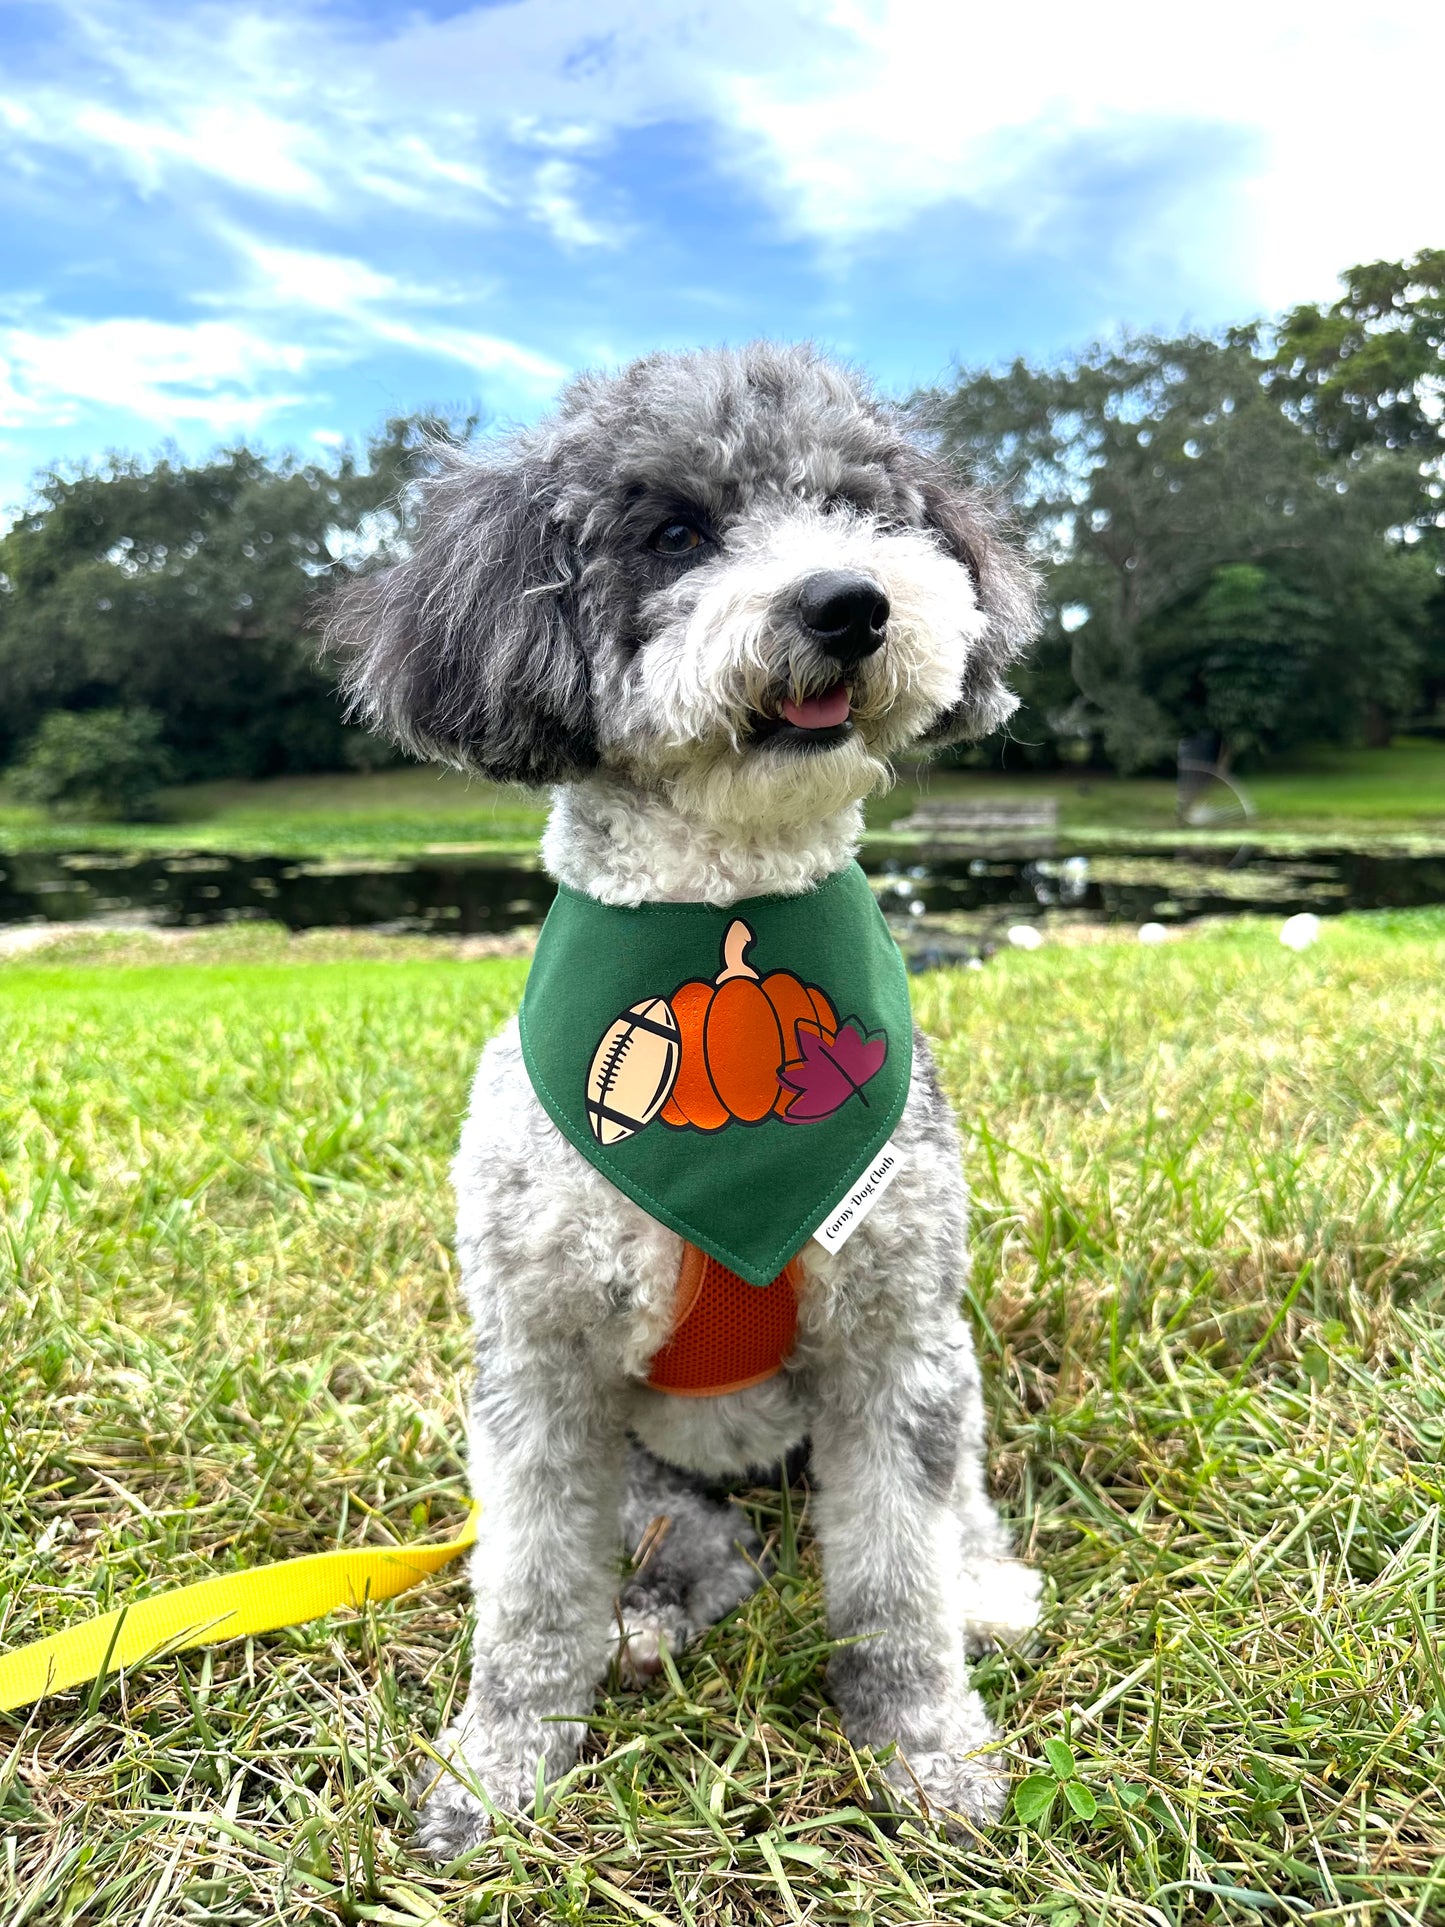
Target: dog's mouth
[{"x": 808, "y": 722}]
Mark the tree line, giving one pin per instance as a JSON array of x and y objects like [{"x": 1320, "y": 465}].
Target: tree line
[
  {"x": 157, "y": 617},
  {"x": 1242, "y": 538}
]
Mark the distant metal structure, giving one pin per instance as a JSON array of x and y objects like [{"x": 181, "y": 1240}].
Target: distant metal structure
[{"x": 1208, "y": 796}]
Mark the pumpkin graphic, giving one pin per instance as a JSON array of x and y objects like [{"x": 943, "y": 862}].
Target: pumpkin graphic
[{"x": 736, "y": 1033}]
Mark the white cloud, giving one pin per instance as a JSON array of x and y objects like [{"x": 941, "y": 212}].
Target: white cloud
[
  {"x": 302, "y": 278},
  {"x": 283, "y": 106},
  {"x": 368, "y": 307},
  {"x": 914, "y": 103},
  {"x": 454, "y": 116},
  {"x": 847, "y": 116},
  {"x": 212, "y": 372},
  {"x": 555, "y": 200},
  {"x": 253, "y": 125},
  {"x": 208, "y": 90},
  {"x": 486, "y": 354},
  {"x": 237, "y": 142}
]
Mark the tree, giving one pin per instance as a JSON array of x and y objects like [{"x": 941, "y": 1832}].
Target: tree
[
  {"x": 1368, "y": 374},
  {"x": 188, "y": 590},
  {"x": 1267, "y": 659},
  {"x": 102, "y": 763},
  {"x": 1147, "y": 472},
  {"x": 1369, "y": 371}
]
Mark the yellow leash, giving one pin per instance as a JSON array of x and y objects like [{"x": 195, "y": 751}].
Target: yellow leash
[{"x": 231, "y": 1607}]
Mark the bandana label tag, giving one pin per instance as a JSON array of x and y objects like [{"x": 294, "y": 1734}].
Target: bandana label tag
[{"x": 834, "y": 1232}]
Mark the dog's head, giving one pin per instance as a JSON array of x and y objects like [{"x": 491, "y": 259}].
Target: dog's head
[{"x": 730, "y": 575}]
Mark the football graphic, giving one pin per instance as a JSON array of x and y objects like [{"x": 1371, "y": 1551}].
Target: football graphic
[{"x": 633, "y": 1070}]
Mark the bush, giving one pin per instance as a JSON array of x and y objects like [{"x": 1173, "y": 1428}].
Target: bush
[{"x": 94, "y": 762}]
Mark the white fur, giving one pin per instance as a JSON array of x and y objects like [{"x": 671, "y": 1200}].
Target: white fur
[
  {"x": 625, "y": 845},
  {"x": 719, "y": 651}
]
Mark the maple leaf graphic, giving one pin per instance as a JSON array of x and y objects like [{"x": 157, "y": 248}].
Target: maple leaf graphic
[{"x": 828, "y": 1073}]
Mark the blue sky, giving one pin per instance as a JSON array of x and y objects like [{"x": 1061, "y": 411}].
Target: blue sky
[{"x": 287, "y": 222}]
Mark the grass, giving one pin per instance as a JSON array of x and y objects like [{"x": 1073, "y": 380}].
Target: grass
[
  {"x": 1209, "y": 1284},
  {"x": 1327, "y": 794},
  {"x": 405, "y": 810}
]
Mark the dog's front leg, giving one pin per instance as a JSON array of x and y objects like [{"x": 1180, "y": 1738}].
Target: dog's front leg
[
  {"x": 893, "y": 1569},
  {"x": 547, "y": 1453}
]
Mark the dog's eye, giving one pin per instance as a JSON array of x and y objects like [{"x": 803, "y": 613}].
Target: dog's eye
[{"x": 676, "y": 538}]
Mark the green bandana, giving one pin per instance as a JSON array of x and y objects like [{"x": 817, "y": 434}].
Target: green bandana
[{"x": 734, "y": 1071}]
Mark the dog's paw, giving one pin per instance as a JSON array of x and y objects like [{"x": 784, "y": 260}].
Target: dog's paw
[
  {"x": 946, "y": 1763},
  {"x": 453, "y": 1818},
  {"x": 962, "y": 1789},
  {"x": 452, "y": 1821},
  {"x": 639, "y": 1657},
  {"x": 1001, "y": 1600}
]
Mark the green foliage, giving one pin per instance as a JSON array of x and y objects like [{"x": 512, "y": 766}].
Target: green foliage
[
  {"x": 191, "y": 589},
  {"x": 1215, "y": 556},
  {"x": 106, "y": 763},
  {"x": 1034, "y": 1798},
  {"x": 1230, "y": 663},
  {"x": 1267, "y": 659},
  {"x": 1367, "y": 371},
  {"x": 1138, "y": 469}
]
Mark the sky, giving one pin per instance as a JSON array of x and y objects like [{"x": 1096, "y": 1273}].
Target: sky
[{"x": 285, "y": 223}]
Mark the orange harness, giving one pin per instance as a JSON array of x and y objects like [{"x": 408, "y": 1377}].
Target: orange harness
[{"x": 726, "y": 1333}]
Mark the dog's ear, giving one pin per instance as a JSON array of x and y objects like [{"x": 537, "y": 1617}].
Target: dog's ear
[
  {"x": 468, "y": 651},
  {"x": 976, "y": 534}
]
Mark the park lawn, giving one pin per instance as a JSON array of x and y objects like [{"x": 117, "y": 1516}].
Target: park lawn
[
  {"x": 1208, "y": 1296},
  {"x": 406, "y": 810},
  {"x": 1404, "y": 784},
  {"x": 1326, "y": 793},
  {"x": 1330, "y": 793}
]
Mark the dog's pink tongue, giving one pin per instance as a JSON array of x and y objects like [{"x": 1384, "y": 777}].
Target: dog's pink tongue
[{"x": 819, "y": 712}]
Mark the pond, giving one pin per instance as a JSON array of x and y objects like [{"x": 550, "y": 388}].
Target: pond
[
  {"x": 452, "y": 895},
  {"x": 942, "y": 899}
]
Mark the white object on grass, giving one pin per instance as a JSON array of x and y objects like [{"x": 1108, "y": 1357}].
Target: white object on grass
[
  {"x": 1153, "y": 933},
  {"x": 1299, "y": 932},
  {"x": 1023, "y": 936}
]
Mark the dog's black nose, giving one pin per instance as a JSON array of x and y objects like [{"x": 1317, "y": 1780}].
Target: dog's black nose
[{"x": 846, "y": 611}]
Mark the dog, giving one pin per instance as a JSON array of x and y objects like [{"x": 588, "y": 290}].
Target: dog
[{"x": 706, "y": 601}]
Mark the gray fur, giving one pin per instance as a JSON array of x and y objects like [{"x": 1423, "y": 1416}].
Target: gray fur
[
  {"x": 469, "y": 650},
  {"x": 700, "y": 1565},
  {"x": 533, "y": 631}
]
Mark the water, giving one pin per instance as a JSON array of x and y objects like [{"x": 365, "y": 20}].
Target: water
[
  {"x": 451, "y": 895},
  {"x": 949, "y": 909},
  {"x": 456, "y": 895},
  {"x": 1162, "y": 886}
]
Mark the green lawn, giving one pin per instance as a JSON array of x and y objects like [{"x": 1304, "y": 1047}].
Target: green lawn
[
  {"x": 1330, "y": 793},
  {"x": 1208, "y": 1295},
  {"x": 403, "y": 810}
]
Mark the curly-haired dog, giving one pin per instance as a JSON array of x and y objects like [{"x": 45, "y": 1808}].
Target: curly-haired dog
[{"x": 707, "y": 600}]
